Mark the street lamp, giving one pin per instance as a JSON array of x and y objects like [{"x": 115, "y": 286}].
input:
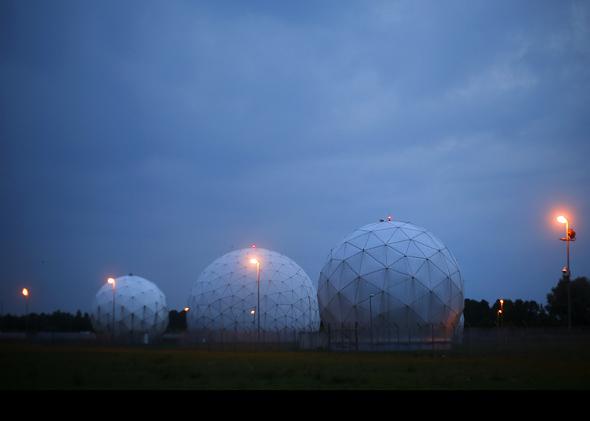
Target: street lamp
[
  {"x": 25, "y": 293},
  {"x": 500, "y": 312},
  {"x": 570, "y": 235},
  {"x": 256, "y": 262},
  {"x": 113, "y": 283}
]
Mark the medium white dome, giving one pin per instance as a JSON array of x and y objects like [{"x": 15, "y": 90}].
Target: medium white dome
[
  {"x": 394, "y": 282},
  {"x": 225, "y": 296},
  {"x": 140, "y": 308}
]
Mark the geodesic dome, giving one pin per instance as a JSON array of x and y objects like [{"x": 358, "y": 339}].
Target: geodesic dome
[
  {"x": 224, "y": 297},
  {"x": 391, "y": 282},
  {"x": 139, "y": 309}
]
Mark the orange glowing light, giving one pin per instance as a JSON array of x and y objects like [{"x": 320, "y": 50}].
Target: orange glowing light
[
  {"x": 562, "y": 219},
  {"x": 499, "y": 311},
  {"x": 25, "y": 292},
  {"x": 254, "y": 261},
  {"x": 501, "y": 302},
  {"x": 186, "y": 309},
  {"x": 111, "y": 281}
]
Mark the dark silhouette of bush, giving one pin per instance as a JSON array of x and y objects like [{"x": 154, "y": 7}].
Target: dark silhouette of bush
[
  {"x": 58, "y": 321},
  {"x": 580, "y": 301}
]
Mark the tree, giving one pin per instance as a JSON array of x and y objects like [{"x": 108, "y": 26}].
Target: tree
[
  {"x": 478, "y": 314},
  {"x": 580, "y": 301},
  {"x": 516, "y": 313}
]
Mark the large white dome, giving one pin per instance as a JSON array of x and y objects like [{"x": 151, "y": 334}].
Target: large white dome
[
  {"x": 225, "y": 296},
  {"x": 392, "y": 282},
  {"x": 140, "y": 308}
]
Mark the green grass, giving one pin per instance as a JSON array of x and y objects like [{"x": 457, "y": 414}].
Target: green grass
[{"x": 534, "y": 366}]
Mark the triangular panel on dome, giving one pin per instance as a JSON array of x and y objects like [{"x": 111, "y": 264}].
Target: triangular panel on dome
[
  {"x": 444, "y": 290},
  {"x": 351, "y": 290},
  {"x": 366, "y": 289},
  {"x": 338, "y": 252},
  {"x": 401, "y": 266},
  {"x": 369, "y": 264},
  {"x": 412, "y": 231},
  {"x": 398, "y": 235},
  {"x": 413, "y": 250},
  {"x": 394, "y": 255},
  {"x": 424, "y": 273},
  {"x": 360, "y": 241},
  {"x": 451, "y": 261},
  {"x": 436, "y": 309},
  {"x": 421, "y": 306},
  {"x": 457, "y": 298},
  {"x": 329, "y": 295},
  {"x": 378, "y": 278},
  {"x": 355, "y": 261},
  {"x": 384, "y": 234},
  {"x": 414, "y": 264},
  {"x": 345, "y": 306},
  {"x": 440, "y": 262},
  {"x": 457, "y": 280},
  {"x": 373, "y": 240},
  {"x": 350, "y": 250},
  {"x": 426, "y": 241},
  {"x": 344, "y": 275},
  {"x": 402, "y": 290},
  {"x": 330, "y": 267},
  {"x": 379, "y": 254}
]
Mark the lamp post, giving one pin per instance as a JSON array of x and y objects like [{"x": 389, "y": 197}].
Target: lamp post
[
  {"x": 113, "y": 283},
  {"x": 25, "y": 293},
  {"x": 371, "y": 317},
  {"x": 253, "y": 314},
  {"x": 309, "y": 307},
  {"x": 500, "y": 312},
  {"x": 570, "y": 235},
  {"x": 185, "y": 311},
  {"x": 256, "y": 262}
]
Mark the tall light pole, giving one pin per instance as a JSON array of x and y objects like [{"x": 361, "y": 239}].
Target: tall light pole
[
  {"x": 25, "y": 293},
  {"x": 256, "y": 262},
  {"x": 309, "y": 307},
  {"x": 570, "y": 235},
  {"x": 113, "y": 283},
  {"x": 371, "y": 317}
]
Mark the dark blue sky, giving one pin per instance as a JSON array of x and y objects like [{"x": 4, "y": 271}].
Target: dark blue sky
[{"x": 152, "y": 137}]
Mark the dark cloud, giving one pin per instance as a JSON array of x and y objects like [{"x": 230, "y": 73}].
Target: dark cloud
[{"x": 151, "y": 138}]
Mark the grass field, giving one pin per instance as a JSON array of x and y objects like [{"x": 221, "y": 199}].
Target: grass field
[{"x": 533, "y": 366}]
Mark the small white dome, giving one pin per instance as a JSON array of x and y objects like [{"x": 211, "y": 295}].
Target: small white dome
[{"x": 139, "y": 308}]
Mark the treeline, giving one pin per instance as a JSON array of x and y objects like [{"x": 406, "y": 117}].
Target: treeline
[
  {"x": 58, "y": 321},
  {"x": 517, "y": 313},
  {"x": 521, "y": 313}
]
